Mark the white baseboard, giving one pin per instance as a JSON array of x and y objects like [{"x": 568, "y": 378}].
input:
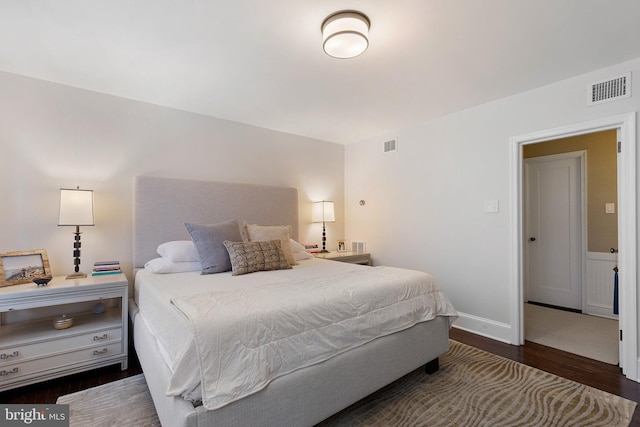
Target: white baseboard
[
  {"x": 484, "y": 327},
  {"x": 600, "y": 311}
]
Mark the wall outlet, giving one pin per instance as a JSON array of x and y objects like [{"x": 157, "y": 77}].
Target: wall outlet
[{"x": 610, "y": 208}]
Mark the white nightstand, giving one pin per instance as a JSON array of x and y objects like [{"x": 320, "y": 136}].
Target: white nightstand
[
  {"x": 32, "y": 350},
  {"x": 350, "y": 257}
]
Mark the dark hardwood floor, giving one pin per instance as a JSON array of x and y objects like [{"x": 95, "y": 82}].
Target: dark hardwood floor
[{"x": 586, "y": 371}]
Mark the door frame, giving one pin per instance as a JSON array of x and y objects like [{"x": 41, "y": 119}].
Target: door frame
[
  {"x": 625, "y": 124},
  {"x": 581, "y": 156}
]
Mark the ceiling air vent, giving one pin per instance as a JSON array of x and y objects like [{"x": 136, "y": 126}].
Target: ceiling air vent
[
  {"x": 610, "y": 89},
  {"x": 391, "y": 145}
]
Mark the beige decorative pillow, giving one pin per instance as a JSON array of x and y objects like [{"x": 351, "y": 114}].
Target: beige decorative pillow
[
  {"x": 249, "y": 257},
  {"x": 261, "y": 233}
]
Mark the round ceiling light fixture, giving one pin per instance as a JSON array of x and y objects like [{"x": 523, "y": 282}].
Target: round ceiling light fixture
[{"x": 345, "y": 34}]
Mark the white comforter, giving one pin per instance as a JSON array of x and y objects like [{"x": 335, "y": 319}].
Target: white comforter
[{"x": 248, "y": 336}]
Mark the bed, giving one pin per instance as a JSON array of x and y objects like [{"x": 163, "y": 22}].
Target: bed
[{"x": 174, "y": 355}]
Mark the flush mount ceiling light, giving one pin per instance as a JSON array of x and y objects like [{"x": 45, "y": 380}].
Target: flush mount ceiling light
[{"x": 345, "y": 34}]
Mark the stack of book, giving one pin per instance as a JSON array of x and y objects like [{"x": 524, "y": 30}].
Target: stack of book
[
  {"x": 312, "y": 248},
  {"x": 106, "y": 267}
]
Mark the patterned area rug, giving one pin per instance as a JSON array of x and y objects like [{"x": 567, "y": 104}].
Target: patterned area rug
[
  {"x": 472, "y": 388},
  {"x": 476, "y": 388},
  {"x": 121, "y": 403}
]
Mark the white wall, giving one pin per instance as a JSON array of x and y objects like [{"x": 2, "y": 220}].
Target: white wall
[
  {"x": 425, "y": 203},
  {"x": 54, "y": 136}
]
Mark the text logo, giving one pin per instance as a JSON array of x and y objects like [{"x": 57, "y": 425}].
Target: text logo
[{"x": 34, "y": 415}]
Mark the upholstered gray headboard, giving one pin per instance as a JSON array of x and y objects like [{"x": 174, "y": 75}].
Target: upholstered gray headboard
[{"x": 161, "y": 206}]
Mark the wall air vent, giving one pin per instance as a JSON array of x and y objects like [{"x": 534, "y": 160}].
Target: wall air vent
[
  {"x": 359, "y": 247},
  {"x": 391, "y": 145},
  {"x": 610, "y": 89}
]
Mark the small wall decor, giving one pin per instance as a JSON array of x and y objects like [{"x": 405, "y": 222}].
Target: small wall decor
[
  {"x": 23, "y": 266},
  {"x": 342, "y": 246}
]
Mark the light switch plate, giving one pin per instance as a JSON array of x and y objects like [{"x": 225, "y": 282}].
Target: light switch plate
[
  {"x": 491, "y": 206},
  {"x": 610, "y": 208}
]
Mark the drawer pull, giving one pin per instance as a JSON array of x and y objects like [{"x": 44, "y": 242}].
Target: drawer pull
[
  {"x": 99, "y": 352},
  {"x": 4, "y": 356},
  {"x": 97, "y": 338},
  {"x": 5, "y": 373}
]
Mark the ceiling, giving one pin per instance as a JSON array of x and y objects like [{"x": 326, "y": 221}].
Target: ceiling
[{"x": 261, "y": 62}]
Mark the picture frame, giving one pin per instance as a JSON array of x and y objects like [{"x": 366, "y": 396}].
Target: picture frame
[
  {"x": 342, "y": 246},
  {"x": 23, "y": 266}
]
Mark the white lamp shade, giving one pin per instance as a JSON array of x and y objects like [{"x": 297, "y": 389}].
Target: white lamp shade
[
  {"x": 345, "y": 34},
  {"x": 323, "y": 212},
  {"x": 76, "y": 207}
]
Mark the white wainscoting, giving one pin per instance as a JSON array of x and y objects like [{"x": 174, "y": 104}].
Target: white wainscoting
[{"x": 598, "y": 284}]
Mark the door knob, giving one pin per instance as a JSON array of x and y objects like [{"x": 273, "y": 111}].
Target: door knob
[{"x": 532, "y": 239}]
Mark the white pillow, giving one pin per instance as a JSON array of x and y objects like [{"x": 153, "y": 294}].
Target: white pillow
[
  {"x": 296, "y": 247},
  {"x": 164, "y": 266},
  {"x": 299, "y": 256},
  {"x": 179, "y": 251}
]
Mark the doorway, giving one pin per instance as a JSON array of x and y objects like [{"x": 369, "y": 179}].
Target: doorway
[{"x": 626, "y": 215}]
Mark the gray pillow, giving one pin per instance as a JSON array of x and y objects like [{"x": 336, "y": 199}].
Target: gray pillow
[
  {"x": 249, "y": 257},
  {"x": 209, "y": 241}
]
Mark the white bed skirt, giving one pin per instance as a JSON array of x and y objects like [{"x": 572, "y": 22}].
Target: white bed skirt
[{"x": 304, "y": 397}]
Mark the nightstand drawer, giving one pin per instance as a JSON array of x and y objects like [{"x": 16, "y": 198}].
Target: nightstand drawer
[
  {"x": 60, "y": 361},
  {"x": 11, "y": 355}
]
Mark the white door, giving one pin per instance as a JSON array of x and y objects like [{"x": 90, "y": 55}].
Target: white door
[{"x": 553, "y": 227}]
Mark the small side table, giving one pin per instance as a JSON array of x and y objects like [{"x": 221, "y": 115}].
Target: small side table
[{"x": 350, "y": 257}]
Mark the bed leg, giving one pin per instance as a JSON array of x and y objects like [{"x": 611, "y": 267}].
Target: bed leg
[{"x": 432, "y": 366}]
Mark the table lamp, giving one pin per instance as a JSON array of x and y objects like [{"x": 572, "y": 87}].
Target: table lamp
[
  {"x": 323, "y": 212},
  {"x": 76, "y": 209}
]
